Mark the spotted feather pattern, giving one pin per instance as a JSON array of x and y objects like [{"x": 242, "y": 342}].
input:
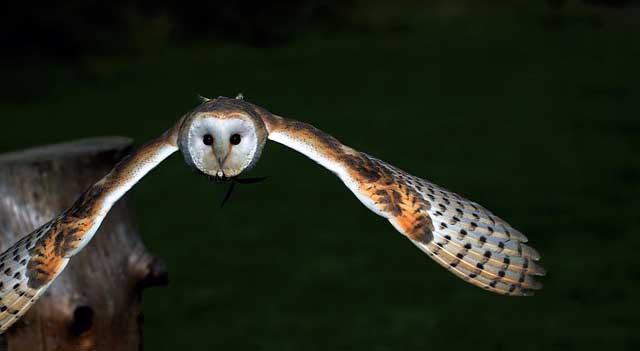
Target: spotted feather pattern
[
  {"x": 31, "y": 265},
  {"x": 470, "y": 241},
  {"x": 16, "y": 292},
  {"x": 459, "y": 234}
]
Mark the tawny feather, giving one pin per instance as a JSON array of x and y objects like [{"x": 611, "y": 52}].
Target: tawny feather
[
  {"x": 30, "y": 265},
  {"x": 459, "y": 234},
  {"x": 16, "y": 294}
]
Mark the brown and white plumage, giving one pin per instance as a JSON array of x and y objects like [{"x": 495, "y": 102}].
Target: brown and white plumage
[
  {"x": 29, "y": 266},
  {"x": 459, "y": 234},
  {"x": 224, "y": 137},
  {"x": 15, "y": 293}
]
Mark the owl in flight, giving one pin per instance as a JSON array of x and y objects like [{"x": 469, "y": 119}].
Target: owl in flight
[{"x": 222, "y": 138}]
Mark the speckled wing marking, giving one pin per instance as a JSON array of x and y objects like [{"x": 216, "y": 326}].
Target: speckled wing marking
[
  {"x": 21, "y": 281},
  {"x": 29, "y": 266},
  {"x": 470, "y": 241},
  {"x": 459, "y": 234}
]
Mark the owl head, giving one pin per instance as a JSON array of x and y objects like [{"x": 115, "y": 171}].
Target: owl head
[{"x": 222, "y": 137}]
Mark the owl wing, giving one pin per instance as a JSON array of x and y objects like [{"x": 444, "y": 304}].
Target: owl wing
[
  {"x": 29, "y": 266},
  {"x": 26, "y": 270},
  {"x": 459, "y": 234}
]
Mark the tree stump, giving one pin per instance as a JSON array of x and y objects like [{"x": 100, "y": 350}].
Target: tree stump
[{"x": 95, "y": 304}]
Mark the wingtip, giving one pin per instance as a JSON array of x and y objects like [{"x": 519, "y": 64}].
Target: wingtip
[
  {"x": 527, "y": 293},
  {"x": 516, "y": 234},
  {"x": 536, "y": 269},
  {"x": 530, "y": 252}
]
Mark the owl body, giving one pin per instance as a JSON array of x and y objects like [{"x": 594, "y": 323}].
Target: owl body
[
  {"x": 224, "y": 137},
  {"x": 457, "y": 233}
]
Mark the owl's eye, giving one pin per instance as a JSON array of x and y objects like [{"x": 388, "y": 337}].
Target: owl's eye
[
  {"x": 207, "y": 140},
  {"x": 235, "y": 139}
]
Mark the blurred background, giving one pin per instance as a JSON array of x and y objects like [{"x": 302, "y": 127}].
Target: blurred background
[{"x": 529, "y": 108}]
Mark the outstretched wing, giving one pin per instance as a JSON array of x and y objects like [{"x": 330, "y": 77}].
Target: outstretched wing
[
  {"x": 459, "y": 234},
  {"x": 29, "y": 266}
]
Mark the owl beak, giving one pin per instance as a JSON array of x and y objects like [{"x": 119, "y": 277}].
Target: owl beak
[{"x": 220, "y": 150}]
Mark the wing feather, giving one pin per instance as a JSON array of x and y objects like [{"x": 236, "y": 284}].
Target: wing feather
[
  {"x": 29, "y": 266},
  {"x": 459, "y": 234},
  {"x": 16, "y": 293}
]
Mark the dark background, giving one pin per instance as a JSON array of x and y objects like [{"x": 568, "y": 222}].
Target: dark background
[{"x": 527, "y": 107}]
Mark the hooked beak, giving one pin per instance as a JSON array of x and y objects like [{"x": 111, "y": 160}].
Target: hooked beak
[{"x": 221, "y": 152}]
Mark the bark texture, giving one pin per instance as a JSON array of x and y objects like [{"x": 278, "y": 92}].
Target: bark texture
[{"x": 95, "y": 304}]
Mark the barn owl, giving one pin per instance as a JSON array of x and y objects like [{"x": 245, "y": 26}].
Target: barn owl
[{"x": 223, "y": 138}]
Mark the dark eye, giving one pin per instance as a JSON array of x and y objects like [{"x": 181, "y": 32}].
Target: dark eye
[
  {"x": 235, "y": 139},
  {"x": 207, "y": 140}
]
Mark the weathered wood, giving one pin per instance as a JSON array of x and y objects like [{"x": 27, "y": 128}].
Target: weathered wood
[{"x": 95, "y": 304}]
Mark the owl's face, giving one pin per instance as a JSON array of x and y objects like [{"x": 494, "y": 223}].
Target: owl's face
[{"x": 222, "y": 138}]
